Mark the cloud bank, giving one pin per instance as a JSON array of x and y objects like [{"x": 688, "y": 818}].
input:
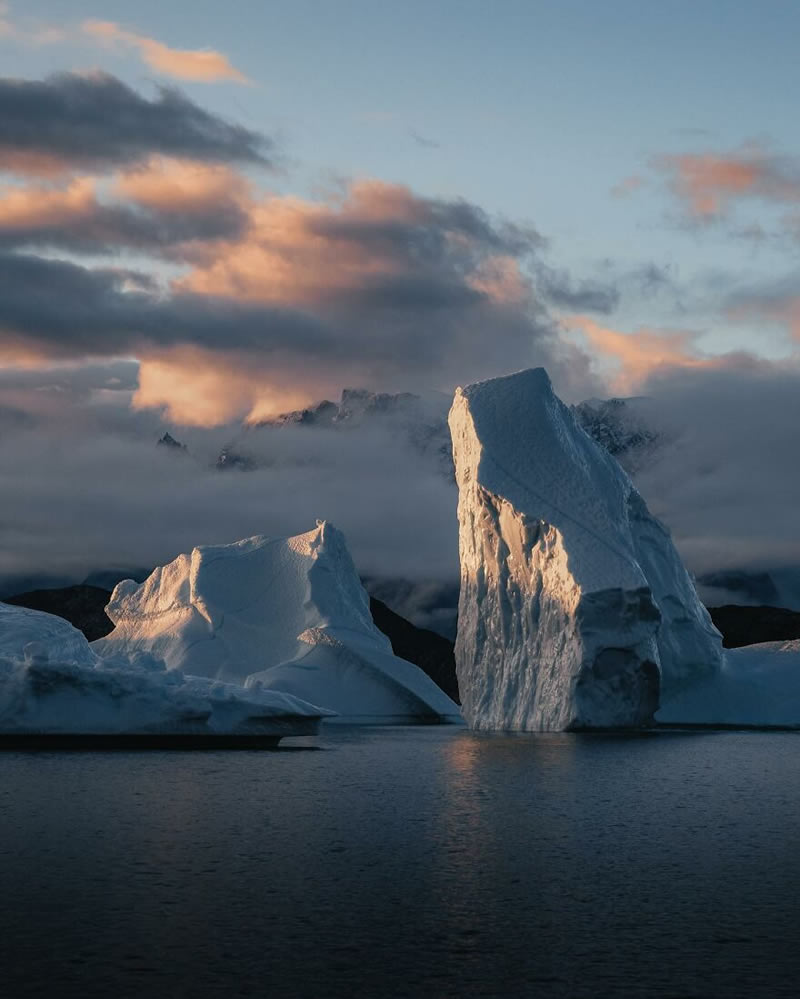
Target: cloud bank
[
  {"x": 72, "y": 121},
  {"x": 272, "y": 301}
]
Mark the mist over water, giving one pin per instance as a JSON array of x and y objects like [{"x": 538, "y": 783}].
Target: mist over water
[{"x": 407, "y": 862}]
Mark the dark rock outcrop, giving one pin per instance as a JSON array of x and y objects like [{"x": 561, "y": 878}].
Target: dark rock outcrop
[
  {"x": 431, "y": 652},
  {"x": 751, "y": 625},
  {"x": 83, "y": 606}
]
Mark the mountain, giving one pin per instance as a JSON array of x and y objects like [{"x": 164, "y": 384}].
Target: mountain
[
  {"x": 420, "y": 421},
  {"x": 621, "y": 426},
  {"x": 83, "y": 606},
  {"x": 742, "y": 626},
  {"x": 431, "y": 652},
  {"x": 168, "y": 441}
]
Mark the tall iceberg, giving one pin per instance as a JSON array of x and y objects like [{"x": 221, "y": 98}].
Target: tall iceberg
[
  {"x": 575, "y": 609},
  {"x": 274, "y": 614}
]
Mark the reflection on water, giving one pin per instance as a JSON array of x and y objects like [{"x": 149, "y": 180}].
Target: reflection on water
[{"x": 406, "y": 862}]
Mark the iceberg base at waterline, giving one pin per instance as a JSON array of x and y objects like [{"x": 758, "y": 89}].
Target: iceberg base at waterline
[
  {"x": 757, "y": 687},
  {"x": 52, "y": 684}
]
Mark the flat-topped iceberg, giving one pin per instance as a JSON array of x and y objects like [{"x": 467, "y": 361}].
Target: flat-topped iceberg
[
  {"x": 274, "y": 614},
  {"x": 53, "y": 683},
  {"x": 575, "y": 609}
]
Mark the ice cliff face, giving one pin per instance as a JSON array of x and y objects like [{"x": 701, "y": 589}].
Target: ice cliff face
[
  {"x": 575, "y": 610},
  {"x": 278, "y": 614}
]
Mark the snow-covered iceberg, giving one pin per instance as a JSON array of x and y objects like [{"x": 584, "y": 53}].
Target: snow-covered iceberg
[
  {"x": 758, "y": 685},
  {"x": 274, "y": 614},
  {"x": 52, "y": 682},
  {"x": 575, "y": 609}
]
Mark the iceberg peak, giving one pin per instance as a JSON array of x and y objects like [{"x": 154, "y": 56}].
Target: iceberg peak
[{"x": 284, "y": 614}]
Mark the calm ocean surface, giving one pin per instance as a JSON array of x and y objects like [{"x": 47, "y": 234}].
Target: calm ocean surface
[{"x": 406, "y": 862}]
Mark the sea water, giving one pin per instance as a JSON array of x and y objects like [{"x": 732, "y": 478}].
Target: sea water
[{"x": 425, "y": 861}]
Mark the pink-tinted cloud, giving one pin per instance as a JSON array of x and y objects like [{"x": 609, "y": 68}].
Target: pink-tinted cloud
[
  {"x": 196, "y": 387},
  {"x": 298, "y": 299},
  {"x": 709, "y": 183},
  {"x": 630, "y": 359},
  {"x": 367, "y": 237},
  {"x": 164, "y": 207},
  {"x": 781, "y": 307},
  {"x": 172, "y": 185},
  {"x": 36, "y": 34},
  {"x": 37, "y": 206},
  {"x": 628, "y": 185},
  {"x": 197, "y": 65}
]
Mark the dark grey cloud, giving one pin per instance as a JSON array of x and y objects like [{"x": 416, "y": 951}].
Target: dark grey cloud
[
  {"x": 559, "y": 288},
  {"x": 96, "y": 122},
  {"x": 763, "y": 296},
  {"x": 75, "y": 502},
  {"x": 109, "y": 229},
  {"x": 85, "y": 398},
  {"x": 424, "y": 235},
  {"x": 76, "y": 381},
  {"x": 728, "y": 482},
  {"x": 67, "y": 311}
]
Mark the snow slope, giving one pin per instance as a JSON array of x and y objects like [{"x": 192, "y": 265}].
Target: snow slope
[
  {"x": 575, "y": 609},
  {"x": 51, "y": 681},
  {"x": 286, "y": 614}
]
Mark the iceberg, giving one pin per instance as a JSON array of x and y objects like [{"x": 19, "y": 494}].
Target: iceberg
[
  {"x": 53, "y": 683},
  {"x": 575, "y": 609},
  {"x": 758, "y": 686},
  {"x": 274, "y": 614}
]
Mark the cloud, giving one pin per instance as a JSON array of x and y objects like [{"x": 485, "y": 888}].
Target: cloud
[
  {"x": 86, "y": 397},
  {"x": 378, "y": 287},
  {"x": 58, "y": 309},
  {"x": 203, "y": 65},
  {"x": 410, "y": 291},
  {"x": 628, "y": 185},
  {"x": 39, "y": 35},
  {"x": 559, "y": 288},
  {"x": 727, "y": 486},
  {"x": 422, "y": 141},
  {"x": 158, "y": 207},
  {"x": 125, "y": 502},
  {"x": 195, "y": 65},
  {"x": 774, "y": 302},
  {"x": 95, "y": 122},
  {"x": 709, "y": 183},
  {"x": 634, "y": 358}
]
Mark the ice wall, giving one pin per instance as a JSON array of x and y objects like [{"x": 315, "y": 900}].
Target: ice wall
[{"x": 575, "y": 609}]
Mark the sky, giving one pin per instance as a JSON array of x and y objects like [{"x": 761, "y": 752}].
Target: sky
[{"x": 217, "y": 212}]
